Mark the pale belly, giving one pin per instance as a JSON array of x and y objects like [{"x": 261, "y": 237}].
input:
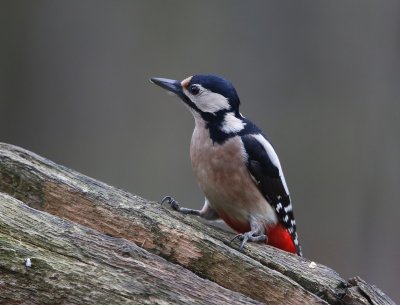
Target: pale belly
[{"x": 222, "y": 175}]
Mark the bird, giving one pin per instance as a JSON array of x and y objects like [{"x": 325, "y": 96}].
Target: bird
[{"x": 235, "y": 165}]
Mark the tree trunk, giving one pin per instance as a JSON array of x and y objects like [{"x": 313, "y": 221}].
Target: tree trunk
[{"x": 98, "y": 244}]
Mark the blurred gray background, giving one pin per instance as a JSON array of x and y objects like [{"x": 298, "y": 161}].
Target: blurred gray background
[{"x": 320, "y": 78}]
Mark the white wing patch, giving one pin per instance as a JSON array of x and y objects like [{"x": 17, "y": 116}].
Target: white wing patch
[
  {"x": 232, "y": 124},
  {"x": 289, "y": 208},
  {"x": 273, "y": 157}
]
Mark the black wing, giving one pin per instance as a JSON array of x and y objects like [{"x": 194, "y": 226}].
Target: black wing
[{"x": 264, "y": 166}]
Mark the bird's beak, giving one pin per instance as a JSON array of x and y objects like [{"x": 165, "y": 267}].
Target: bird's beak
[{"x": 168, "y": 84}]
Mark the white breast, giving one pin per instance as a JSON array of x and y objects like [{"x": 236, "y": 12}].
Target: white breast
[{"x": 223, "y": 176}]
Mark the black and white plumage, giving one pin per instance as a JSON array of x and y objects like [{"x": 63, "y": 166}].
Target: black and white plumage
[{"x": 235, "y": 165}]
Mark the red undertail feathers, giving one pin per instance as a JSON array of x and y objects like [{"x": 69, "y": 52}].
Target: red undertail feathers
[{"x": 278, "y": 236}]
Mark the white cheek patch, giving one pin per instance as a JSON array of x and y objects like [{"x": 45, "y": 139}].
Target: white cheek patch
[
  {"x": 273, "y": 156},
  {"x": 212, "y": 102},
  {"x": 208, "y": 101},
  {"x": 232, "y": 124}
]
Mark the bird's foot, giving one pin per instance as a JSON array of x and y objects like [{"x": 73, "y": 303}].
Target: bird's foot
[
  {"x": 175, "y": 206},
  {"x": 248, "y": 236},
  {"x": 172, "y": 202}
]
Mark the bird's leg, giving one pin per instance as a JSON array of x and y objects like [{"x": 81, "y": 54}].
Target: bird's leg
[
  {"x": 206, "y": 212},
  {"x": 256, "y": 233}
]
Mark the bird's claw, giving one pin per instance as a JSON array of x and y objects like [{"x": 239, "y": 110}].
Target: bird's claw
[
  {"x": 248, "y": 236},
  {"x": 172, "y": 202},
  {"x": 240, "y": 237},
  {"x": 237, "y": 236}
]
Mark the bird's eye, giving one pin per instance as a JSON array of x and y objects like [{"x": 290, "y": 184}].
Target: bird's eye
[{"x": 194, "y": 89}]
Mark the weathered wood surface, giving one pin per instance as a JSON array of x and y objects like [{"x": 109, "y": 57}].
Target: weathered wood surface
[
  {"x": 263, "y": 273},
  {"x": 77, "y": 265}
]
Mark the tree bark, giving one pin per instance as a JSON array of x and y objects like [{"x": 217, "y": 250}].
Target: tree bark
[
  {"x": 207, "y": 261},
  {"x": 71, "y": 263}
]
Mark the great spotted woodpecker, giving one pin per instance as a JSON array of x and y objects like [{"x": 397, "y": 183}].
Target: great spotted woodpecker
[{"x": 235, "y": 165}]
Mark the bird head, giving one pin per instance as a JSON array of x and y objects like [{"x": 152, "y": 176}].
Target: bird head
[{"x": 208, "y": 97}]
